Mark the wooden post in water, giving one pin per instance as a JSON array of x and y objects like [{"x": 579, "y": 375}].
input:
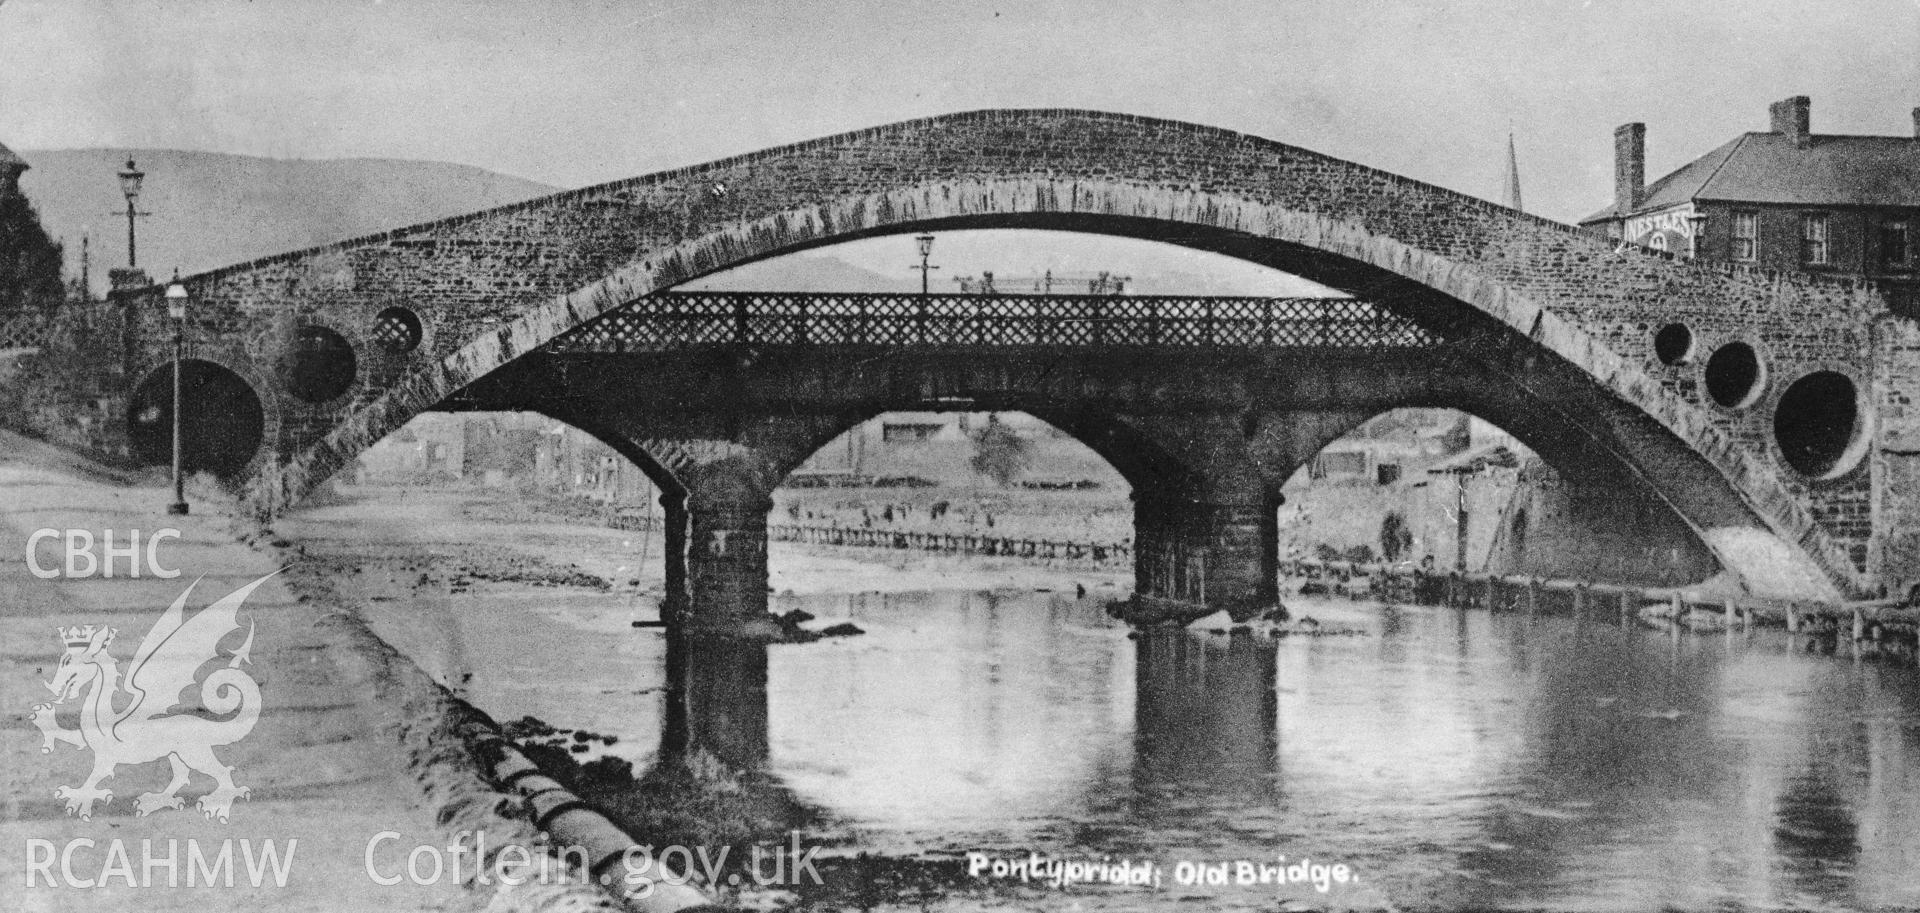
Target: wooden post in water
[
  {"x": 1626, "y": 603},
  {"x": 1679, "y": 610},
  {"x": 1733, "y": 614},
  {"x": 1793, "y": 618},
  {"x": 1533, "y": 596},
  {"x": 1490, "y": 593},
  {"x": 1859, "y": 626}
]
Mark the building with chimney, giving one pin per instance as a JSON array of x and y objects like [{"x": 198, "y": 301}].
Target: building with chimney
[{"x": 1787, "y": 198}]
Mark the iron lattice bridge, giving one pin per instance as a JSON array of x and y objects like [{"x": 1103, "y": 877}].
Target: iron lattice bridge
[
  {"x": 675, "y": 319},
  {"x": 27, "y": 329}
]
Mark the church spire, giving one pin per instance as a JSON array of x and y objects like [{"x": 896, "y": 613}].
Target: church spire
[{"x": 1512, "y": 182}]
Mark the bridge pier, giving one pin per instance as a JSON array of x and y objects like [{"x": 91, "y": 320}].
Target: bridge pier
[
  {"x": 726, "y": 565},
  {"x": 674, "y": 602},
  {"x": 1193, "y": 556}
]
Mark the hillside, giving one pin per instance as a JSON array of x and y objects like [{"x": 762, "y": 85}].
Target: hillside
[
  {"x": 211, "y": 209},
  {"x": 806, "y": 272}
]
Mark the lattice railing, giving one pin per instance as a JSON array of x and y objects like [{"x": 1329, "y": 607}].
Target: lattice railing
[
  {"x": 27, "y": 329},
  {"x": 676, "y": 319}
]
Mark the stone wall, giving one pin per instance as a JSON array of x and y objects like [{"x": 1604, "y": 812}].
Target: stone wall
[{"x": 1896, "y": 454}]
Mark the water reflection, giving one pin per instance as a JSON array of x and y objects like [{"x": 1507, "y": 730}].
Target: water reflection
[
  {"x": 1205, "y": 717},
  {"x": 716, "y": 701},
  {"x": 1462, "y": 759},
  {"x": 1456, "y": 759}
]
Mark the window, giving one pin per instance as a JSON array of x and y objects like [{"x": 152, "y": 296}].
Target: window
[
  {"x": 1896, "y": 244},
  {"x": 1746, "y": 236},
  {"x": 1813, "y": 238},
  {"x": 1339, "y": 464},
  {"x": 894, "y": 433}
]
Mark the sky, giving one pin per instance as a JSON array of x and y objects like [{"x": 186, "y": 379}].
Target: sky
[{"x": 576, "y": 93}]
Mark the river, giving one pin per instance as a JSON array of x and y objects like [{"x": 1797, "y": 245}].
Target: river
[{"x": 1448, "y": 759}]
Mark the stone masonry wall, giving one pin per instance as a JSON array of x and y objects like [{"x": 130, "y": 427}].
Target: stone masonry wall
[{"x": 1896, "y": 454}]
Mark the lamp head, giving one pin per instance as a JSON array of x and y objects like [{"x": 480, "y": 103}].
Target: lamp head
[
  {"x": 130, "y": 179},
  {"x": 926, "y": 244},
  {"x": 177, "y": 297}
]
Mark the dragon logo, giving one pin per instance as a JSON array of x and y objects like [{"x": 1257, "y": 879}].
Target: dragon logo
[{"x": 127, "y": 721}]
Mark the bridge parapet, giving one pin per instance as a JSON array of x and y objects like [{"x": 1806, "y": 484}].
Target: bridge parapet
[{"x": 673, "y": 319}]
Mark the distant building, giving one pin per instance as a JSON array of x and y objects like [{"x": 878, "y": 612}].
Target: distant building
[
  {"x": 432, "y": 445},
  {"x": 1400, "y": 444},
  {"x": 1047, "y": 283},
  {"x": 1787, "y": 198},
  {"x": 894, "y": 432}
]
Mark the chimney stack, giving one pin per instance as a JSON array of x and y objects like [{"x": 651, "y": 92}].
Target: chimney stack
[
  {"x": 1793, "y": 117},
  {"x": 1629, "y": 167}
]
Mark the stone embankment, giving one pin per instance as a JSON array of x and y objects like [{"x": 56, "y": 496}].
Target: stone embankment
[{"x": 1884, "y": 626}]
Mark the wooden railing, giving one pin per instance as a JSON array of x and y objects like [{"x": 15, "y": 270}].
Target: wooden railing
[
  {"x": 1409, "y": 584},
  {"x": 1113, "y": 553},
  {"x": 1120, "y": 553}
]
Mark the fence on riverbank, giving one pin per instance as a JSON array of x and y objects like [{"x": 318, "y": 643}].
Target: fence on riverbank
[
  {"x": 1103, "y": 553},
  {"x": 1120, "y": 553},
  {"x": 1882, "y": 620}
]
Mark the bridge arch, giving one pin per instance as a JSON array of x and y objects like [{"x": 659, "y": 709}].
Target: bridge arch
[
  {"x": 1482, "y": 275},
  {"x": 222, "y": 427}
]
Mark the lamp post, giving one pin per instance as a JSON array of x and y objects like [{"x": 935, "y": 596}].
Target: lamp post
[
  {"x": 130, "y": 180},
  {"x": 926, "y": 250},
  {"x": 177, "y": 309},
  {"x": 1460, "y": 523}
]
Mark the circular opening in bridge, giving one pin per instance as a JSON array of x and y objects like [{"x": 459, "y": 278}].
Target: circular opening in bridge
[
  {"x": 397, "y": 330},
  {"x": 221, "y": 424},
  {"x": 1734, "y": 374},
  {"x": 1817, "y": 425},
  {"x": 322, "y": 364},
  {"x": 1673, "y": 344}
]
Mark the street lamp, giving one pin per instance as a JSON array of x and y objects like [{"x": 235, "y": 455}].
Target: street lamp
[
  {"x": 130, "y": 180},
  {"x": 926, "y": 250},
  {"x": 176, "y": 309}
]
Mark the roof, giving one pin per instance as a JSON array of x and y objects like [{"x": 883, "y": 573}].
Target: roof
[
  {"x": 8, "y": 158},
  {"x": 1479, "y": 459},
  {"x": 1770, "y": 168}
]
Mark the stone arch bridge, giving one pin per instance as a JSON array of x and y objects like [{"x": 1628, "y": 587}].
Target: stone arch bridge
[{"x": 1764, "y": 438}]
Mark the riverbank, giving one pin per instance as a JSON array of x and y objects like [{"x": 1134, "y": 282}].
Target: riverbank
[{"x": 324, "y": 768}]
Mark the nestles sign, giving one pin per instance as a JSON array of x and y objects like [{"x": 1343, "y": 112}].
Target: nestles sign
[{"x": 1656, "y": 229}]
